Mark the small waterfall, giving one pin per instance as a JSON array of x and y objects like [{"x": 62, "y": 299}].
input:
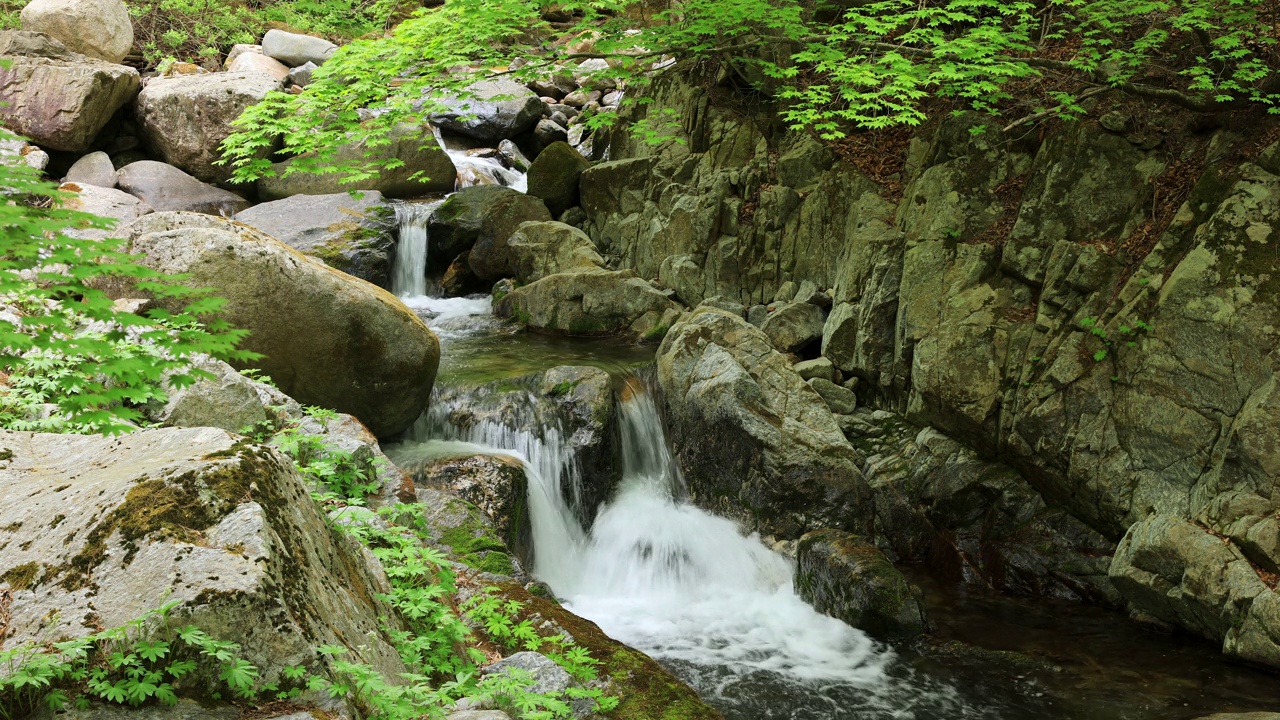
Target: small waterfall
[
  {"x": 478, "y": 170},
  {"x": 409, "y": 276}
]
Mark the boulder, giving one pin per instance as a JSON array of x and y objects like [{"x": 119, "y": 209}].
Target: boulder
[
  {"x": 414, "y": 146},
  {"x": 294, "y": 49},
  {"x": 455, "y": 225},
  {"x": 553, "y": 176},
  {"x": 841, "y": 400},
  {"x": 103, "y": 202},
  {"x": 544, "y": 675},
  {"x": 356, "y": 236},
  {"x": 539, "y": 249},
  {"x": 490, "y": 111},
  {"x": 185, "y": 118},
  {"x": 166, "y": 188},
  {"x": 547, "y": 133},
  {"x": 848, "y": 578},
  {"x": 227, "y": 400},
  {"x": 496, "y": 485},
  {"x": 794, "y": 326},
  {"x": 591, "y": 302},
  {"x": 328, "y": 339},
  {"x": 464, "y": 531},
  {"x": 491, "y": 256},
  {"x": 198, "y": 516},
  {"x": 458, "y": 280},
  {"x": 301, "y": 75},
  {"x": 752, "y": 438},
  {"x": 100, "y": 29},
  {"x": 817, "y": 368},
  {"x": 57, "y": 98},
  {"x": 93, "y": 169},
  {"x": 256, "y": 62}
]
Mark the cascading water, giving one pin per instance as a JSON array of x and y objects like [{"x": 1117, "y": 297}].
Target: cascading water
[
  {"x": 479, "y": 170},
  {"x": 410, "y": 273}
]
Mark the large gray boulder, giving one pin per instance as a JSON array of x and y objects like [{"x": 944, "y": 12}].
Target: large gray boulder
[
  {"x": 93, "y": 169},
  {"x": 554, "y": 175},
  {"x": 57, "y": 98},
  {"x": 185, "y": 118},
  {"x": 328, "y": 339},
  {"x": 753, "y": 439},
  {"x": 165, "y": 188},
  {"x": 539, "y": 249},
  {"x": 794, "y": 326},
  {"x": 100, "y": 29},
  {"x": 455, "y": 225},
  {"x": 354, "y": 235},
  {"x": 294, "y": 49},
  {"x": 197, "y": 516},
  {"x": 591, "y": 302},
  {"x": 414, "y": 146},
  {"x": 491, "y": 255},
  {"x": 848, "y": 578},
  {"x": 103, "y": 202},
  {"x": 492, "y": 110}
]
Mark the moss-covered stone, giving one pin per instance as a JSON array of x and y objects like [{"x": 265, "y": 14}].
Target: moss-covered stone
[{"x": 845, "y": 577}]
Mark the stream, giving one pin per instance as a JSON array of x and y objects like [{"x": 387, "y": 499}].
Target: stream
[{"x": 717, "y": 607}]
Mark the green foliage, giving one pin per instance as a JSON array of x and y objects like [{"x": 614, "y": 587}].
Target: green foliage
[
  {"x": 1109, "y": 345},
  {"x": 65, "y": 342},
  {"x": 140, "y": 662}
]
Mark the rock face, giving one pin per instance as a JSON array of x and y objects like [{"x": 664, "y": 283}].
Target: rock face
[
  {"x": 848, "y": 578},
  {"x": 752, "y": 438},
  {"x": 416, "y": 147},
  {"x": 294, "y": 49},
  {"x": 57, "y": 98},
  {"x": 490, "y": 111},
  {"x": 354, "y": 236},
  {"x": 328, "y": 339},
  {"x": 539, "y": 249},
  {"x": 224, "y": 526},
  {"x": 100, "y": 29},
  {"x": 591, "y": 302},
  {"x": 165, "y": 188},
  {"x": 490, "y": 256},
  {"x": 554, "y": 174},
  {"x": 185, "y": 118}
]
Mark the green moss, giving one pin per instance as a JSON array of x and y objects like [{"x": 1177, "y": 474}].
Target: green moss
[
  {"x": 471, "y": 538},
  {"x": 498, "y": 563},
  {"x": 656, "y": 334},
  {"x": 22, "y": 577},
  {"x": 5, "y": 454},
  {"x": 563, "y": 388}
]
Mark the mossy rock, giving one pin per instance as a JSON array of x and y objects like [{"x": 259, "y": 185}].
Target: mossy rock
[{"x": 846, "y": 577}]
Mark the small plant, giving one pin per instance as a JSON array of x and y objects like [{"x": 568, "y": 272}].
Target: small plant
[{"x": 1129, "y": 333}]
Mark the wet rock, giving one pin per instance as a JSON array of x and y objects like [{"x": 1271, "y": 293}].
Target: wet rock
[
  {"x": 794, "y": 326},
  {"x": 328, "y": 339},
  {"x": 57, "y": 98},
  {"x": 841, "y": 400},
  {"x": 848, "y": 578},
  {"x": 753, "y": 440},
  {"x": 100, "y": 29},
  {"x": 490, "y": 111},
  {"x": 491, "y": 257},
  {"x": 539, "y": 249},
  {"x": 414, "y": 146},
  {"x": 185, "y": 118},
  {"x": 356, "y": 236},
  {"x": 190, "y": 515},
  {"x": 465, "y": 531},
  {"x": 554, "y": 177},
  {"x": 591, "y": 302},
  {"x": 166, "y": 188},
  {"x": 459, "y": 280},
  {"x": 294, "y": 49},
  {"x": 105, "y": 203},
  {"x": 512, "y": 156},
  {"x": 93, "y": 169},
  {"x": 495, "y": 485},
  {"x": 455, "y": 225}
]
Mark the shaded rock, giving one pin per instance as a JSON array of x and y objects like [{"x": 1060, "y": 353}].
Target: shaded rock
[
  {"x": 539, "y": 249},
  {"x": 165, "y": 188},
  {"x": 548, "y": 132},
  {"x": 752, "y": 438},
  {"x": 817, "y": 368},
  {"x": 459, "y": 280},
  {"x": 490, "y": 255},
  {"x": 416, "y": 147},
  {"x": 683, "y": 275},
  {"x": 793, "y": 326},
  {"x": 196, "y": 516},
  {"x": 57, "y": 98},
  {"x": 757, "y": 314},
  {"x": 328, "y": 339},
  {"x": 848, "y": 578},
  {"x": 106, "y": 203},
  {"x": 184, "y": 710},
  {"x": 301, "y": 75},
  {"x": 256, "y": 62},
  {"x": 356, "y": 236},
  {"x": 490, "y": 111},
  {"x": 294, "y": 49},
  {"x": 100, "y": 29},
  {"x": 512, "y": 156},
  {"x": 455, "y": 225},
  {"x": 842, "y": 401},
  {"x": 590, "y": 302},
  {"x": 478, "y": 715},
  {"x": 554, "y": 177},
  {"x": 93, "y": 169},
  {"x": 185, "y": 118}
]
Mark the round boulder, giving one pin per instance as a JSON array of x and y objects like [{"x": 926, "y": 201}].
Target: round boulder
[
  {"x": 98, "y": 28},
  {"x": 327, "y": 338}
]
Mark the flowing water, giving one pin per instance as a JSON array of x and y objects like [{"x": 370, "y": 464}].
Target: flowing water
[{"x": 716, "y": 606}]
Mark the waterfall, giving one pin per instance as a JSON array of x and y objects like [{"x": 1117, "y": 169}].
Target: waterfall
[
  {"x": 479, "y": 170},
  {"x": 409, "y": 277}
]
